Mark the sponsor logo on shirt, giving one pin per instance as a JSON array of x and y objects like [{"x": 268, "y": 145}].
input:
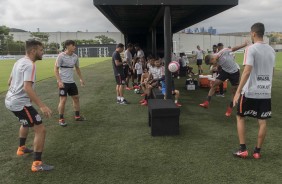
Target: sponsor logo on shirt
[{"x": 263, "y": 78}]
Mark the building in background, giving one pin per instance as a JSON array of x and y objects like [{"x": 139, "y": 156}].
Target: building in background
[{"x": 182, "y": 42}]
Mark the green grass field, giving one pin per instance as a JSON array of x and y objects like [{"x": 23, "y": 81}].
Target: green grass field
[
  {"x": 115, "y": 145},
  {"x": 45, "y": 69}
]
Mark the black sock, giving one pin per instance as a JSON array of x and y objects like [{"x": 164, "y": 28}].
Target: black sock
[
  {"x": 221, "y": 89},
  {"x": 257, "y": 150},
  {"x": 243, "y": 147},
  {"x": 231, "y": 104},
  {"x": 61, "y": 116},
  {"x": 146, "y": 97},
  {"x": 76, "y": 113},
  {"x": 22, "y": 141},
  {"x": 37, "y": 156},
  {"x": 209, "y": 98}
]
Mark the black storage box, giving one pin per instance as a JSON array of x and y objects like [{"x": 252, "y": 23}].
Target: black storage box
[{"x": 163, "y": 117}]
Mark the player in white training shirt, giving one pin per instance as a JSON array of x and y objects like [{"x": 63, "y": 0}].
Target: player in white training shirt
[
  {"x": 19, "y": 99},
  {"x": 254, "y": 91},
  {"x": 65, "y": 63}
]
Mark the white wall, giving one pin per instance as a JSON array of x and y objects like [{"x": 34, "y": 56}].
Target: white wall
[
  {"x": 181, "y": 42},
  {"x": 60, "y": 37},
  {"x": 188, "y": 42}
]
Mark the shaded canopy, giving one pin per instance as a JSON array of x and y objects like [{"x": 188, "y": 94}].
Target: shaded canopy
[{"x": 140, "y": 16}]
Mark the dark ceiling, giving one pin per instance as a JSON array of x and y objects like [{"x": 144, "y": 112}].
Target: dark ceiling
[{"x": 139, "y": 16}]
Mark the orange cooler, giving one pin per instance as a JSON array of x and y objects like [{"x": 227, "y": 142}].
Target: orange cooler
[
  {"x": 211, "y": 81},
  {"x": 204, "y": 81}
]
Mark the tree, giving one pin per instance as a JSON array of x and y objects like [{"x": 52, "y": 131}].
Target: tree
[
  {"x": 4, "y": 37},
  {"x": 105, "y": 40},
  {"x": 52, "y": 48},
  {"x": 43, "y": 37}
]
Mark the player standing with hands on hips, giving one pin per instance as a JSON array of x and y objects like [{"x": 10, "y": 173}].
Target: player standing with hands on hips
[
  {"x": 254, "y": 91},
  {"x": 19, "y": 99}
]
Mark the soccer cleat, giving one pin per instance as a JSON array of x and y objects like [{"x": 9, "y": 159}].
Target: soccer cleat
[
  {"x": 144, "y": 103},
  {"x": 127, "y": 88},
  {"x": 178, "y": 104},
  {"x": 39, "y": 166},
  {"x": 23, "y": 150},
  {"x": 62, "y": 123},
  {"x": 118, "y": 101},
  {"x": 136, "y": 87},
  {"x": 220, "y": 95},
  {"x": 228, "y": 111},
  {"x": 256, "y": 155},
  {"x": 205, "y": 104},
  {"x": 240, "y": 154},
  {"x": 124, "y": 102},
  {"x": 79, "y": 118}
]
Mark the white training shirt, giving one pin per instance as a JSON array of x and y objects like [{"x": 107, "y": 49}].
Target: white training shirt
[
  {"x": 184, "y": 61},
  {"x": 16, "y": 98},
  {"x": 140, "y": 53},
  {"x": 66, "y": 63},
  {"x": 138, "y": 68},
  {"x": 199, "y": 53},
  {"x": 262, "y": 59},
  {"x": 157, "y": 72},
  {"x": 128, "y": 56},
  {"x": 227, "y": 61}
]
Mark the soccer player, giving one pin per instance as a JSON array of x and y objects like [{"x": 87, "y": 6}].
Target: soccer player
[
  {"x": 140, "y": 52},
  {"x": 119, "y": 73},
  {"x": 229, "y": 71},
  {"x": 63, "y": 69},
  {"x": 199, "y": 55},
  {"x": 19, "y": 99},
  {"x": 254, "y": 91},
  {"x": 128, "y": 66},
  {"x": 221, "y": 93}
]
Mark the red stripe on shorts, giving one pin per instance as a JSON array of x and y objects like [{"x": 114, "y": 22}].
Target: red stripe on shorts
[{"x": 28, "y": 115}]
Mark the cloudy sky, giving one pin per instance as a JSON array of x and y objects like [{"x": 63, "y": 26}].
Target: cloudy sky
[{"x": 81, "y": 15}]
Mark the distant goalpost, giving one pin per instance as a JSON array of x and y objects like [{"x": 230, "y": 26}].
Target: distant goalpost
[{"x": 93, "y": 52}]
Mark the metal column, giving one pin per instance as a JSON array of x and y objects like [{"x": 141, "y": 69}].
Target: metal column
[
  {"x": 154, "y": 42},
  {"x": 167, "y": 51}
]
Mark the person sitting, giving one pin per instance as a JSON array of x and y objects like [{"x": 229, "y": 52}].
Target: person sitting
[
  {"x": 174, "y": 91},
  {"x": 155, "y": 76}
]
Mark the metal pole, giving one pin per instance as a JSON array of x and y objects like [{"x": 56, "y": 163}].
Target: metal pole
[
  {"x": 154, "y": 42},
  {"x": 167, "y": 50}
]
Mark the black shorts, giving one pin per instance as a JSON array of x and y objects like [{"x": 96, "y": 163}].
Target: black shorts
[
  {"x": 257, "y": 108},
  {"x": 28, "y": 117},
  {"x": 69, "y": 89},
  {"x": 126, "y": 70},
  {"x": 199, "y": 61},
  {"x": 130, "y": 72},
  {"x": 139, "y": 78},
  {"x": 120, "y": 79},
  {"x": 234, "y": 78}
]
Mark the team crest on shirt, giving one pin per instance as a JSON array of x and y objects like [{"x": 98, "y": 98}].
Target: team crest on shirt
[{"x": 62, "y": 92}]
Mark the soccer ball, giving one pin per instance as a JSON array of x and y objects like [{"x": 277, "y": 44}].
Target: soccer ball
[
  {"x": 137, "y": 91},
  {"x": 173, "y": 66}
]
